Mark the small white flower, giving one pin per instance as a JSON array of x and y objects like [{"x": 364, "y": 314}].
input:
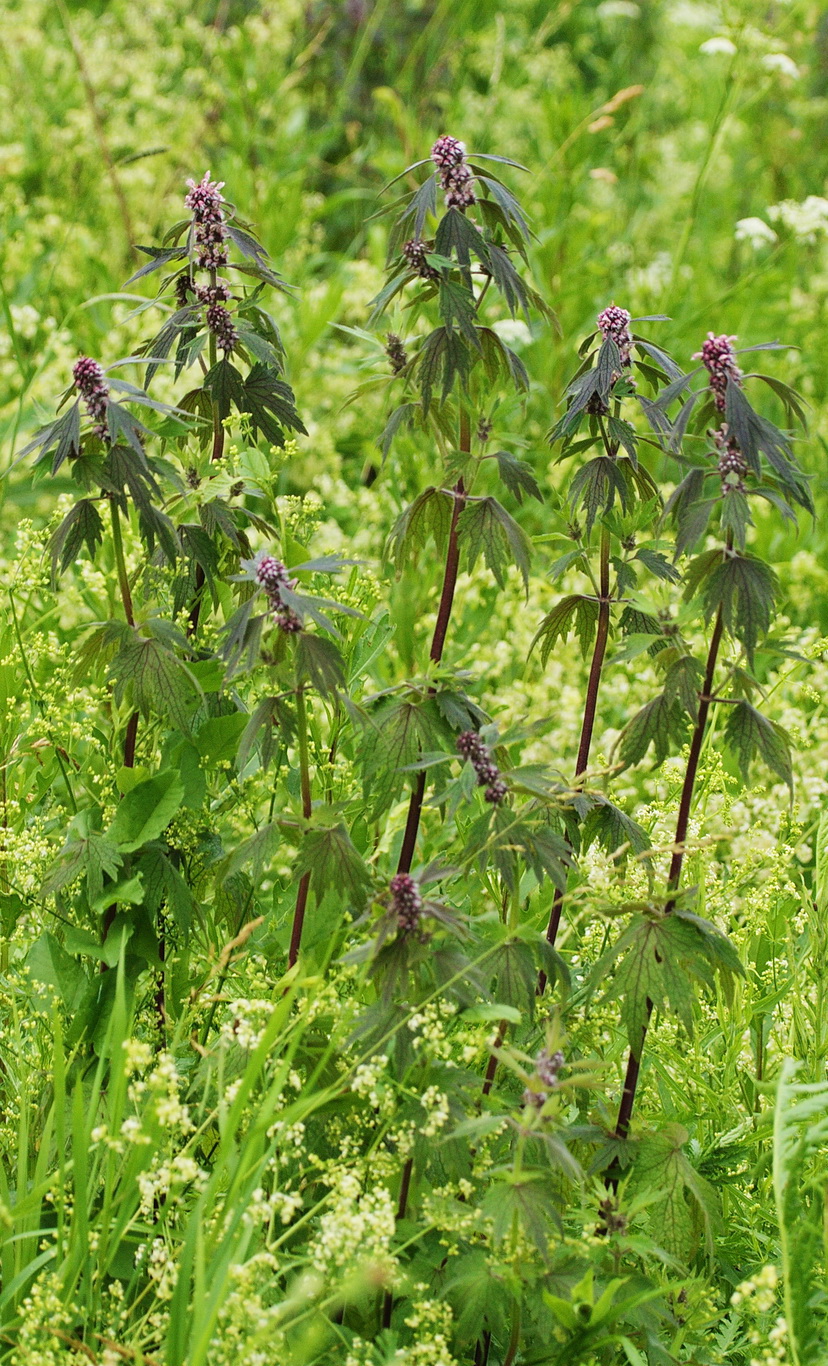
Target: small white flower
[
  {"x": 718, "y": 47},
  {"x": 512, "y": 331},
  {"x": 781, "y": 62},
  {"x": 755, "y": 231},
  {"x": 806, "y": 220},
  {"x": 618, "y": 9}
]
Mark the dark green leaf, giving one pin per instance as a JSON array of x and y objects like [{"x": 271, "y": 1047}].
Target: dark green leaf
[
  {"x": 335, "y": 866},
  {"x": 49, "y": 963},
  {"x": 427, "y": 518},
  {"x": 82, "y": 525},
  {"x": 224, "y": 384},
  {"x": 518, "y": 476},
  {"x": 146, "y": 811},
  {"x": 744, "y": 587},
  {"x": 159, "y": 256},
  {"x": 657, "y": 724},
  {"x": 682, "y": 684},
  {"x": 595, "y": 485},
  {"x": 319, "y": 662},
  {"x": 486, "y": 527},
  {"x": 155, "y": 681},
  {"x": 271, "y": 405},
  {"x": 751, "y": 735},
  {"x": 754, "y": 434},
  {"x": 88, "y": 853},
  {"x": 614, "y": 831},
  {"x": 575, "y": 612}
]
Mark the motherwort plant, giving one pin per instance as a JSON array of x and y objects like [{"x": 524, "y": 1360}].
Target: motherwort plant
[
  {"x": 179, "y": 525},
  {"x": 612, "y": 498},
  {"x": 732, "y": 591}
]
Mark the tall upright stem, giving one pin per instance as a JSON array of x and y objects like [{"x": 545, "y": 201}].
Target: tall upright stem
[
  {"x": 625, "y": 1109},
  {"x": 599, "y": 651},
  {"x": 438, "y": 641},
  {"x": 131, "y": 734},
  {"x": 307, "y": 807},
  {"x": 415, "y": 805},
  {"x": 120, "y": 563},
  {"x": 218, "y": 451}
]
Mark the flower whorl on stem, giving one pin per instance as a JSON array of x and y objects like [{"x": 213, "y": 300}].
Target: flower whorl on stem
[
  {"x": 89, "y": 381},
  {"x": 614, "y": 322},
  {"x": 210, "y": 233},
  {"x": 204, "y": 200},
  {"x": 479, "y": 756},
  {"x": 449, "y": 156},
  {"x": 406, "y": 901},
  {"x": 274, "y": 579},
  {"x": 719, "y": 359}
]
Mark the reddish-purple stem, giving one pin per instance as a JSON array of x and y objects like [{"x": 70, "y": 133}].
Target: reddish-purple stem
[
  {"x": 625, "y": 1109},
  {"x": 588, "y": 725}
]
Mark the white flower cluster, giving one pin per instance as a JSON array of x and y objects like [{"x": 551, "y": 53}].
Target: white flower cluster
[
  {"x": 807, "y": 220},
  {"x": 368, "y": 1081},
  {"x": 247, "y": 1022},
  {"x": 162, "y": 1083},
  {"x": 357, "y": 1229},
  {"x": 263, "y": 1208},
  {"x": 161, "y": 1267},
  {"x": 436, "y": 1105},
  {"x": 429, "y": 1027},
  {"x": 760, "y": 1290},
  {"x": 756, "y": 232},
  {"x": 155, "y": 1184}
]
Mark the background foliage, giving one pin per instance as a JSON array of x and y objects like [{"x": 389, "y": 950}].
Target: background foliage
[{"x": 676, "y": 166}]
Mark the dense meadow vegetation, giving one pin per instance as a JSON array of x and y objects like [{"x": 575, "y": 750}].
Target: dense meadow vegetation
[{"x": 413, "y": 634}]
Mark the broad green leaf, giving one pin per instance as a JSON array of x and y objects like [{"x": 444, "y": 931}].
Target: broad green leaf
[
  {"x": 271, "y": 403},
  {"x": 49, "y": 963},
  {"x": 682, "y": 683},
  {"x": 145, "y": 812},
  {"x": 319, "y": 663},
  {"x": 616, "y": 832},
  {"x": 518, "y": 476},
  {"x": 574, "y": 613},
  {"x": 744, "y": 587},
  {"x": 428, "y": 518},
  {"x": 751, "y": 735},
  {"x": 88, "y": 853},
  {"x": 686, "y": 1203},
  {"x": 393, "y": 737},
  {"x": 82, "y": 525},
  {"x": 154, "y": 680},
  {"x": 595, "y": 486},
  {"x": 218, "y": 738},
  {"x": 486, "y": 528},
  {"x": 336, "y": 867},
  {"x": 658, "y": 723}
]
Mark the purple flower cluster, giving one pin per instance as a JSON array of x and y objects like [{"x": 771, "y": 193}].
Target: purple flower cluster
[
  {"x": 406, "y": 902},
  {"x": 732, "y": 465},
  {"x": 205, "y": 201},
  {"x": 614, "y": 323},
  {"x": 479, "y": 756},
  {"x": 218, "y": 293},
  {"x": 89, "y": 381},
  {"x": 414, "y": 252},
  {"x": 547, "y": 1067},
  {"x": 274, "y": 579},
  {"x": 449, "y": 156},
  {"x": 719, "y": 359},
  {"x": 396, "y": 352},
  {"x": 221, "y": 325}
]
